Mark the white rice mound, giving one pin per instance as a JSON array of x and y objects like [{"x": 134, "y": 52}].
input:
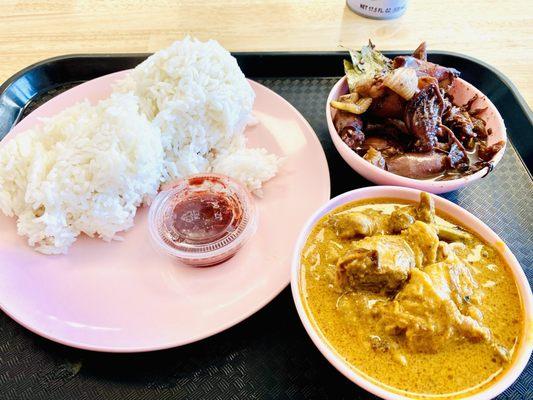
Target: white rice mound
[
  {"x": 251, "y": 167},
  {"x": 196, "y": 94},
  {"x": 87, "y": 170}
]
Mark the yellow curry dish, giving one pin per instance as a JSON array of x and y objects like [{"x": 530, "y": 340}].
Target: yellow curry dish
[{"x": 409, "y": 299}]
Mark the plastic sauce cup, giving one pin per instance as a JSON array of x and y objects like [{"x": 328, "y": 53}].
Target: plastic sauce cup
[{"x": 203, "y": 219}]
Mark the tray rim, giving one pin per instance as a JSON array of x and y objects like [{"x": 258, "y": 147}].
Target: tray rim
[
  {"x": 507, "y": 81},
  {"x": 524, "y": 107}
]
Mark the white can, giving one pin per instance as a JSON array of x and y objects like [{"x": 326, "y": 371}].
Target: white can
[{"x": 378, "y": 9}]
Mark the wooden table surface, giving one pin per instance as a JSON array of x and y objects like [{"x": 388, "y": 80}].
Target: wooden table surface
[{"x": 497, "y": 32}]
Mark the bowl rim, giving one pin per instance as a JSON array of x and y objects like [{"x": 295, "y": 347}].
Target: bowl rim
[
  {"x": 394, "y": 179},
  {"x": 523, "y": 354}
]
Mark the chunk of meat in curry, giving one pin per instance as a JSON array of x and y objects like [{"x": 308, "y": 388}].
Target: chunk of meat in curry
[
  {"x": 357, "y": 224},
  {"x": 433, "y": 300},
  {"x": 377, "y": 263},
  {"x": 430, "y": 310}
]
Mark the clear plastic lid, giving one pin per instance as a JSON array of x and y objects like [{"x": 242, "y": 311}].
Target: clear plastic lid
[{"x": 203, "y": 219}]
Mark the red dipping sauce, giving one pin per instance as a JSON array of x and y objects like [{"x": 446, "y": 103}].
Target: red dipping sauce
[{"x": 202, "y": 220}]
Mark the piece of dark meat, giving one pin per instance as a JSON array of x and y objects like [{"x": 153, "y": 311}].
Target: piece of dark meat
[
  {"x": 382, "y": 129},
  {"x": 388, "y": 147},
  {"x": 423, "y": 117},
  {"x": 457, "y": 157},
  {"x": 444, "y": 76},
  {"x": 375, "y": 158},
  {"x": 477, "y": 111},
  {"x": 464, "y": 121},
  {"x": 447, "y": 101},
  {"x": 349, "y": 127},
  {"x": 421, "y": 52},
  {"x": 460, "y": 122},
  {"x": 379, "y": 143},
  {"x": 474, "y": 113},
  {"x": 418, "y": 165},
  {"x": 389, "y": 136},
  {"x": 354, "y": 139},
  {"x": 398, "y": 124},
  {"x": 468, "y": 105},
  {"x": 391, "y": 127},
  {"x": 487, "y": 153},
  {"x": 479, "y": 126},
  {"x": 344, "y": 119},
  {"x": 390, "y": 105}
]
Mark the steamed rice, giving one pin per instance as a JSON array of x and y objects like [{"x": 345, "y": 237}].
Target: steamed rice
[
  {"x": 87, "y": 169},
  {"x": 196, "y": 94}
]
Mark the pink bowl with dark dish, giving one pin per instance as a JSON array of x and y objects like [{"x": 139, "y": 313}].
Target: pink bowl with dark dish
[{"x": 462, "y": 92}]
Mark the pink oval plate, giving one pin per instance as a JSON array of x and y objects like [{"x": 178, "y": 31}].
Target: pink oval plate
[{"x": 126, "y": 297}]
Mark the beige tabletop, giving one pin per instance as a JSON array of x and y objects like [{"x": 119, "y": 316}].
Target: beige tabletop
[{"x": 499, "y": 32}]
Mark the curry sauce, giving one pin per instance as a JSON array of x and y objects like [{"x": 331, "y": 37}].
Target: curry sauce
[{"x": 425, "y": 309}]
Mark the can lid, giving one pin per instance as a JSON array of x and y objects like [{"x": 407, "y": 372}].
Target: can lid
[{"x": 203, "y": 219}]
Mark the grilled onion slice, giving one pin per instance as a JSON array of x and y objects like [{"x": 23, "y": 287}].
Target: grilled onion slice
[
  {"x": 402, "y": 81},
  {"x": 357, "y": 107}
]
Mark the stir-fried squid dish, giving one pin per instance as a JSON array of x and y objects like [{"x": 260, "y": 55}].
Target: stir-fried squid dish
[
  {"x": 409, "y": 298},
  {"x": 400, "y": 116}
]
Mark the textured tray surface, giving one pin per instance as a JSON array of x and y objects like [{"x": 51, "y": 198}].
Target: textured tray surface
[{"x": 269, "y": 355}]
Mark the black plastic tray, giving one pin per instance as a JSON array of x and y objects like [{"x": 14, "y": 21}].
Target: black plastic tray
[{"x": 268, "y": 356}]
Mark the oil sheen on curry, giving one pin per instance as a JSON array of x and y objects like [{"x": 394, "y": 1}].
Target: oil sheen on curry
[{"x": 411, "y": 300}]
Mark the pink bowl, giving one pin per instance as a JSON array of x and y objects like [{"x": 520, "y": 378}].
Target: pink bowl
[
  {"x": 472, "y": 223},
  {"x": 462, "y": 92}
]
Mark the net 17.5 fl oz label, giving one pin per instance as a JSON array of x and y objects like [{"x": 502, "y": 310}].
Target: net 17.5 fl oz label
[{"x": 380, "y": 9}]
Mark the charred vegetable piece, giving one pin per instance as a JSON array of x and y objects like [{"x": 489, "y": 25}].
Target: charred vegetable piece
[
  {"x": 402, "y": 81},
  {"x": 365, "y": 65},
  {"x": 375, "y": 157},
  {"x": 357, "y": 107}
]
